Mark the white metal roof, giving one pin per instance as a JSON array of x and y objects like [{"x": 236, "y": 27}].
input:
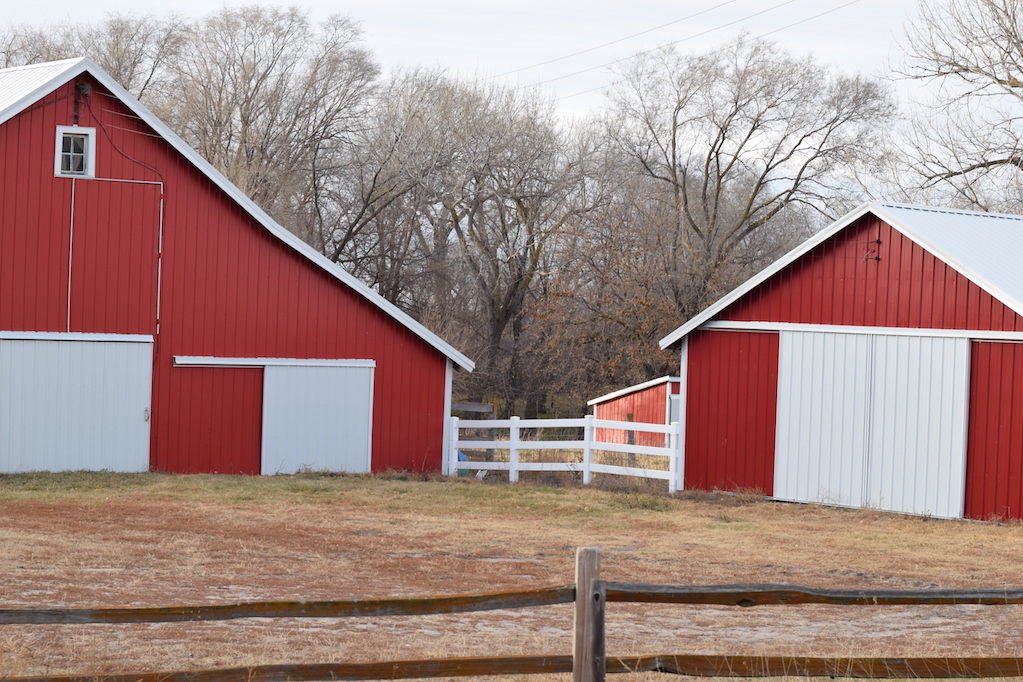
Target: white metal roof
[
  {"x": 22, "y": 86},
  {"x": 986, "y": 248}
]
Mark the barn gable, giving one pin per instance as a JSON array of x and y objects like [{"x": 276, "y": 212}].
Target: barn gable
[
  {"x": 256, "y": 344},
  {"x": 879, "y": 367}
]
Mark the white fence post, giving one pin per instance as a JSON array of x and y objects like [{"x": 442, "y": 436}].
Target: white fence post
[
  {"x": 589, "y": 435},
  {"x": 673, "y": 459},
  {"x": 453, "y": 448},
  {"x": 513, "y": 450}
]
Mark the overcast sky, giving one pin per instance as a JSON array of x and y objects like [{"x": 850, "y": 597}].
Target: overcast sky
[{"x": 507, "y": 40}]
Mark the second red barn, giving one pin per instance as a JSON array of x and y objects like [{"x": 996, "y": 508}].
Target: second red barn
[{"x": 880, "y": 364}]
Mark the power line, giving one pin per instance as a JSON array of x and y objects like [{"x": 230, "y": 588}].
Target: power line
[
  {"x": 613, "y": 42},
  {"x": 762, "y": 35},
  {"x": 674, "y": 42}
]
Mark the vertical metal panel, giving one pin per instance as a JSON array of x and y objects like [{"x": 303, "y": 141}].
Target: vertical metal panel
[
  {"x": 840, "y": 282},
  {"x": 994, "y": 472},
  {"x": 114, "y": 254},
  {"x": 731, "y": 406},
  {"x": 218, "y": 422},
  {"x": 917, "y": 459},
  {"x": 823, "y": 394},
  {"x": 69, "y": 405},
  {"x": 317, "y": 419}
]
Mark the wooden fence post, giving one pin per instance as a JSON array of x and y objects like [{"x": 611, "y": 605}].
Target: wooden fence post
[
  {"x": 513, "y": 450},
  {"x": 588, "y": 661}
]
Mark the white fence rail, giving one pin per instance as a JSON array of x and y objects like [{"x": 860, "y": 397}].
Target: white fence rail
[{"x": 579, "y": 454}]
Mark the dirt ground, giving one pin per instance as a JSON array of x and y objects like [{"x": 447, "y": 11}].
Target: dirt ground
[{"x": 178, "y": 541}]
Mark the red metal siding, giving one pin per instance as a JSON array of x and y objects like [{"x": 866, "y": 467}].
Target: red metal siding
[
  {"x": 229, "y": 289},
  {"x": 219, "y": 428},
  {"x": 648, "y": 405},
  {"x": 994, "y": 467},
  {"x": 838, "y": 283},
  {"x": 731, "y": 407}
]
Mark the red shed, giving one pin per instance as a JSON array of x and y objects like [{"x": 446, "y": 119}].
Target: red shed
[
  {"x": 153, "y": 317},
  {"x": 879, "y": 364},
  {"x": 652, "y": 402}
]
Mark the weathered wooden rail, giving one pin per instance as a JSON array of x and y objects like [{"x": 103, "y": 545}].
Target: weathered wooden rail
[{"x": 587, "y": 663}]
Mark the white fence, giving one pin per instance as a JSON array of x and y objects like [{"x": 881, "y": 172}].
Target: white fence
[{"x": 579, "y": 454}]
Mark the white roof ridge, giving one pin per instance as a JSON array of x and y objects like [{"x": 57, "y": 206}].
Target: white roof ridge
[{"x": 75, "y": 66}]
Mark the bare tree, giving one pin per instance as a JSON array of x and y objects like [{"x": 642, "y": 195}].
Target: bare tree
[
  {"x": 272, "y": 102},
  {"x": 736, "y": 139},
  {"x": 967, "y": 143},
  {"x": 136, "y": 50}
]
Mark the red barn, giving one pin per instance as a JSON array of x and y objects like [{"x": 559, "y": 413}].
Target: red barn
[
  {"x": 879, "y": 364},
  {"x": 153, "y": 317}
]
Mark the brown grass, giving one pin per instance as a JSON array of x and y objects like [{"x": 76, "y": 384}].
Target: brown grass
[{"x": 107, "y": 540}]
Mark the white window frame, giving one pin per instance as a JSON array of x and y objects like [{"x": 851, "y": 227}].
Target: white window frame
[{"x": 90, "y": 151}]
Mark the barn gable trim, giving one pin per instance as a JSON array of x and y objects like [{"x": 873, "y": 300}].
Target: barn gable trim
[
  {"x": 20, "y": 87},
  {"x": 946, "y": 243}
]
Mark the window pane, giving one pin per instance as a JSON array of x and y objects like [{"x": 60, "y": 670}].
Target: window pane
[{"x": 74, "y": 154}]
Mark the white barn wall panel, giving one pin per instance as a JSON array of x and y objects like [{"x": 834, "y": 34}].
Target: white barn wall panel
[
  {"x": 823, "y": 389},
  {"x": 872, "y": 420},
  {"x": 73, "y": 405},
  {"x": 918, "y": 425},
  {"x": 317, "y": 419}
]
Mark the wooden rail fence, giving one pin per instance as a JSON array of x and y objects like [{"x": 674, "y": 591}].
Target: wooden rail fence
[{"x": 588, "y": 661}]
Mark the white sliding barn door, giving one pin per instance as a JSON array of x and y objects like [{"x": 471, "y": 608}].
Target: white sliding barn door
[
  {"x": 317, "y": 419},
  {"x": 917, "y": 443},
  {"x": 820, "y": 445},
  {"x": 71, "y": 405},
  {"x": 876, "y": 421}
]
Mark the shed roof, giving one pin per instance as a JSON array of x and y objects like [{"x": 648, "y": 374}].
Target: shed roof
[
  {"x": 986, "y": 248},
  {"x": 22, "y": 86},
  {"x": 632, "y": 389}
]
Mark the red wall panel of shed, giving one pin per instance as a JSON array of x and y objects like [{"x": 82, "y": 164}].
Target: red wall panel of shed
[
  {"x": 838, "y": 283},
  {"x": 229, "y": 287},
  {"x": 731, "y": 408},
  {"x": 994, "y": 468},
  {"x": 648, "y": 405}
]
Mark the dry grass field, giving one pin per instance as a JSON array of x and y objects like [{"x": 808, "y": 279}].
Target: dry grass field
[{"x": 157, "y": 540}]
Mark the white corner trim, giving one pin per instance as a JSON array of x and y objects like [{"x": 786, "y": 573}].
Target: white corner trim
[
  {"x": 74, "y": 336},
  {"x": 977, "y": 334},
  {"x": 631, "y": 389},
  {"x": 445, "y": 466},
  {"x": 209, "y": 361}
]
